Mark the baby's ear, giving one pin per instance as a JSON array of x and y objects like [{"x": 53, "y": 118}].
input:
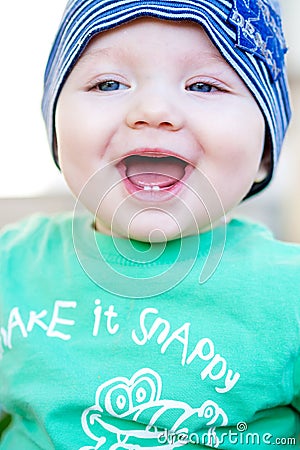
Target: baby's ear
[
  {"x": 55, "y": 151},
  {"x": 263, "y": 170},
  {"x": 266, "y": 162}
]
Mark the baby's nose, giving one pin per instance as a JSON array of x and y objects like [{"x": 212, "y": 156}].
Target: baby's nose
[{"x": 155, "y": 110}]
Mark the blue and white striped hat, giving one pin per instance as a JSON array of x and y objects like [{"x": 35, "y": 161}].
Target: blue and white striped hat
[{"x": 248, "y": 33}]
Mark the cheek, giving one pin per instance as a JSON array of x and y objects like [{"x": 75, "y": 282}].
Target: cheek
[
  {"x": 238, "y": 137},
  {"x": 80, "y": 141},
  {"x": 233, "y": 152},
  {"x": 73, "y": 129},
  {"x": 85, "y": 130}
]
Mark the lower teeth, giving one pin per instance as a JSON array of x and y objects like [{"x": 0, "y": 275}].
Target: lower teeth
[{"x": 151, "y": 188}]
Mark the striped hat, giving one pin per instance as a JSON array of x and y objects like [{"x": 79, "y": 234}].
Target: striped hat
[{"x": 248, "y": 33}]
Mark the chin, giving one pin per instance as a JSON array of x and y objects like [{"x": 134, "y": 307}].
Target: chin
[
  {"x": 158, "y": 231},
  {"x": 154, "y": 226},
  {"x": 153, "y": 235}
]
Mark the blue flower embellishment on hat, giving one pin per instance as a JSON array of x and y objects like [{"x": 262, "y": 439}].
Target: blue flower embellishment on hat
[{"x": 259, "y": 31}]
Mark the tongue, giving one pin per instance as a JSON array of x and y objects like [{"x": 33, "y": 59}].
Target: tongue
[{"x": 154, "y": 171}]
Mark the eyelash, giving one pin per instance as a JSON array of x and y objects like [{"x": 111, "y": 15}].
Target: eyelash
[
  {"x": 212, "y": 86},
  {"x": 209, "y": 87},
  {"x": 96, "y": 86}
]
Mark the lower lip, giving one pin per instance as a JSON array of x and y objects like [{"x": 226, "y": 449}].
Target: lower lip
[{"x": 163, "y": 194}]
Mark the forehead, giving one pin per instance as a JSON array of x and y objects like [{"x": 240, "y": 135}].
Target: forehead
[{"x": 184, "y": 38}]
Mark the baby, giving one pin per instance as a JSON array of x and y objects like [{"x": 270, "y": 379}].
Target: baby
[{"x": 153, "y": 321}]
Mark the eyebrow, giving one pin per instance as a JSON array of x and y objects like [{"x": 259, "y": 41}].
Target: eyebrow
[
  {"x": 118, "y": 54},
  {"x": 204, "y": 56},
  {"x": 111, "y": 52}
]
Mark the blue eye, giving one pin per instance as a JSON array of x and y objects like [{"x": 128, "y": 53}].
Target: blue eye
[
  {"x": 201, "y": 87},
  {"x": 110, "y": 85}
]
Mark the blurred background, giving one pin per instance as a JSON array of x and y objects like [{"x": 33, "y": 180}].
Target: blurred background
[{"x": 30, "y": 182}]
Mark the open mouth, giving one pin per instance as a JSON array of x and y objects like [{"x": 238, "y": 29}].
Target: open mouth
[{"x": 153, "y": 174}]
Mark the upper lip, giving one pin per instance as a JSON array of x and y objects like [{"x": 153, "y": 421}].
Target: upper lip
[{"x": 155, "y": 153}]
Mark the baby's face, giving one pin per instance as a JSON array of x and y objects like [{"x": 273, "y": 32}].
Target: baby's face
[{"x": 157, "y": 132}]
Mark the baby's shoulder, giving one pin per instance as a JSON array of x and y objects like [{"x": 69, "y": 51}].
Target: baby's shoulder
[
  {"x": 256, "y": 243},
  {"x": 31, "y": 232}
]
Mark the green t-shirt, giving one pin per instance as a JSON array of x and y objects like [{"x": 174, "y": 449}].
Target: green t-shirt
[{"x": 115, "y": 344}]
